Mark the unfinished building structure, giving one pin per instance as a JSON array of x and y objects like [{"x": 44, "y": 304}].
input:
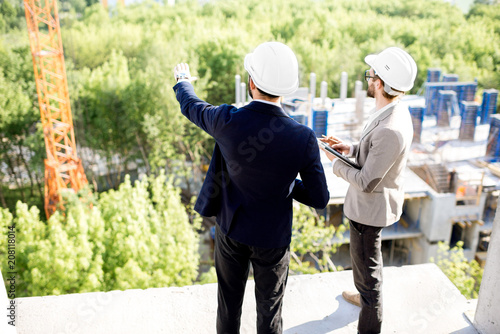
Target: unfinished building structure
[{"x": 453, "y": 174}]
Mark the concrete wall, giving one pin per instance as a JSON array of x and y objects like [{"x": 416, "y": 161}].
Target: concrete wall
[
  {"x": 472, "y": 233},
  {"x": 413, "y": 209},
  {"x": 471, "y": 241},
  {"x": 487, "y": 318},
  {"x": 437, "y": 211},
  {"x": 435, "y": 214},
  {"x": 422, "y": 250}
]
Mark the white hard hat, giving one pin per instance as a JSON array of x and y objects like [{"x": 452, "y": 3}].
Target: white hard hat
[
  {"x": 395, "y": 67},
  {"x": 274, "y": 68}
]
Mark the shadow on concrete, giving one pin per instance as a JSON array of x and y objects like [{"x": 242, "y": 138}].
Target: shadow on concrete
[
  {"x": 467, "y": 329},
  {"x": 343, "y": 316}
]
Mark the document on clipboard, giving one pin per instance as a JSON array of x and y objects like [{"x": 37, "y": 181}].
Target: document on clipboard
[{"x": 338, "y": 155}]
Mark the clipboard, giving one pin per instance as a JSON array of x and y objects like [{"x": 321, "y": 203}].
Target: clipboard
[{"x": 338, "y": 155}]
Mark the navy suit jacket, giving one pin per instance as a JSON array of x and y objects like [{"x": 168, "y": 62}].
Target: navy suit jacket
[{"x": 258, "y": 153}]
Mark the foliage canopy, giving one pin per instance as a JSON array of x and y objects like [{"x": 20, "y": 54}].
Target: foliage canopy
[
  {"x": 119, "y": 66},
  {"x": 134, "y": 237},
  {"x": 465, "y": 275}
]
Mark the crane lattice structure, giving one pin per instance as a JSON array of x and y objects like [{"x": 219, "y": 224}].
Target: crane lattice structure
[{"x": 63, "y": 168}]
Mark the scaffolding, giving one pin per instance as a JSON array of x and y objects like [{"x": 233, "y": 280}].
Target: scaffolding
[
  {"x": 465, "y": 91},
  {"x": 493, "y": 144},
  {"x": 489, "y": 105},
  {"x": 417, "y": 118},
  {"x": 469, "y": 112}
]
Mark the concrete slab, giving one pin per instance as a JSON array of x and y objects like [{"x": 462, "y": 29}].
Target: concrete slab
[{"x": 417, "y": 299}]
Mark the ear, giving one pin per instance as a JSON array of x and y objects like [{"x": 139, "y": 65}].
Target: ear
[{"x": 252, "y": 84}]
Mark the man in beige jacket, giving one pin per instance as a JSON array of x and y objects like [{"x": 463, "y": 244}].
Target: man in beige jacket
[{"x": 375, "y": 196}]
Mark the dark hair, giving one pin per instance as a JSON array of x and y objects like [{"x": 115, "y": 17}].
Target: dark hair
[
  {"x": 384, "y": 93},
  {"x": 270, "y": 96},
  {"x": 266, "y": 94}
]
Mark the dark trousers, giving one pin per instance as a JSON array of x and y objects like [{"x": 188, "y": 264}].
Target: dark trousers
[
  {"x": 232, "y": 264},
  {"x": 366, "y": 257}
]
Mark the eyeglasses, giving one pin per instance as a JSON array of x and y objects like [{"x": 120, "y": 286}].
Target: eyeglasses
[{"x": 368, "y": 76}]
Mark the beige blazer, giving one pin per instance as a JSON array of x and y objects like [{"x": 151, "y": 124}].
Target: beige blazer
[{"x": 375, "y": 195}]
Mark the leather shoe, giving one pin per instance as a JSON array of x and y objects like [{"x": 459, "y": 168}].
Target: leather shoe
[{"x": 352, "y": 297}]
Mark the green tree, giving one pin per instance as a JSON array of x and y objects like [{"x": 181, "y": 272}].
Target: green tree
[
  {"x": 17, "y": 120},
  {"x": 149, "y": 241},
  {"x": 312, "y": 242},
  {"x": 119, "y": 62},
  {"x": 135, "y": 237},
  {"x": 10, "y": 15},
  {"x": 466, "y": 275}
]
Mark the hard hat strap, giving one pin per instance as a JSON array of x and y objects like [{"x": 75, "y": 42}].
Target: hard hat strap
[{"x": 390, "y": 91}]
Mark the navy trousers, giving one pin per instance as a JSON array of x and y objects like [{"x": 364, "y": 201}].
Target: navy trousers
[{"x": 232, "y": 264}]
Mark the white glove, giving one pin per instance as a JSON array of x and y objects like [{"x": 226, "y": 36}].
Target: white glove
[{"x": 181, "y": 73}]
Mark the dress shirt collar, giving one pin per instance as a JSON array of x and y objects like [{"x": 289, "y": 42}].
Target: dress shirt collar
[
  {"x": 277, "y": 104},
  {"x": 374, "y": 113}
]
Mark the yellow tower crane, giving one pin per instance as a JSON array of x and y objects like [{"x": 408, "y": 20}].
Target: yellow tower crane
[{"x": 63, "y": 168}]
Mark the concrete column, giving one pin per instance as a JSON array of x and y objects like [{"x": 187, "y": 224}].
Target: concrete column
[
  {"x": 312, "y": 96},
  {"x": 360, "y": 109},
  {"x": 323, "y": 92},
  {"x": 237, "y": 81},
  {"x": 243, "y": 93},
  {"x": 487, "y": 320},
  {"x": 343, "y": 85},
  {"x": 312, "y": 85},
  {"x": 358, "y": 86}
]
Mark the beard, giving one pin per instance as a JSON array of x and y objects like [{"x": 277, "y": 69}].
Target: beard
[{"x": 371, "y": 90}]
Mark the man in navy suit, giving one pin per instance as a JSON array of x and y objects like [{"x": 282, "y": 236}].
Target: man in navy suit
[{"x": 251, "y": 182}]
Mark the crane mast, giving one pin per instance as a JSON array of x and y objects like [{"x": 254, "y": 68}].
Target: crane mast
[{"x": 63, "y": 168}]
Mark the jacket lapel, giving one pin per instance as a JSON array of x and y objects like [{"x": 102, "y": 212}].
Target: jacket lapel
[{"x": 376, "y": 121}]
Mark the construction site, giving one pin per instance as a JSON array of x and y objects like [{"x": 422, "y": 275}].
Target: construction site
[
  {"x": 452, "y": 180},
  {"x": 452, "y": 177},
  {"x": 452, "y": 187}
]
